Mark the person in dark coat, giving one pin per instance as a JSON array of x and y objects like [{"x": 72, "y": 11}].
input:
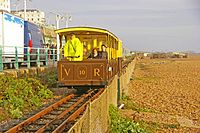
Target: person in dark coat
[{"x": 103, "y": 53}]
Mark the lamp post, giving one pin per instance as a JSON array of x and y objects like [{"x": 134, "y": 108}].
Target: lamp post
[
  {"x": 58, "y": 17},
  {"x": 68, "y": 19},
  {"x": 25, "y": 7},
  {"x": 25, "y": 2}
]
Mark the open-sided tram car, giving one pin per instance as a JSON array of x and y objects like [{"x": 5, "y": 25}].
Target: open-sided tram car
[{"x": 89, "y": 72}]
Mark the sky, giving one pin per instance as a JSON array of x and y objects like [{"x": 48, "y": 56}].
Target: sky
[{"x": 142, "y": 25}]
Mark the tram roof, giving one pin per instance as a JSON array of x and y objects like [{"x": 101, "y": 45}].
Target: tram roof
[{"x": 87, "y": 29}]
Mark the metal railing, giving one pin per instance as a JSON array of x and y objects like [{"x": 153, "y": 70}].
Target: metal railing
[{"x": 14, "y": 57}]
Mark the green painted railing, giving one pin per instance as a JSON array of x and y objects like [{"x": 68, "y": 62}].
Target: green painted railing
[{"x": 15, "y": 57}]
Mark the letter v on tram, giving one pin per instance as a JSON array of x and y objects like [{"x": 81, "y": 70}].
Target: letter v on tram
[{"x": 88, "y": 71}]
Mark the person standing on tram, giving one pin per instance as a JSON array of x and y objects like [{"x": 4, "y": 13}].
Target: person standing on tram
[{"x": 73, "y": 49}]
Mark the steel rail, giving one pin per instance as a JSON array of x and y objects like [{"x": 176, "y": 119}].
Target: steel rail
[
  {"x": 39, "y": 115},
  {"x": 72, "y": 117},
  {"x": 64, "y": 113}
]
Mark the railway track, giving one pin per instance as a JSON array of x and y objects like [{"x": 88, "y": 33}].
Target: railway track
[{"x": 58, "y": 116}]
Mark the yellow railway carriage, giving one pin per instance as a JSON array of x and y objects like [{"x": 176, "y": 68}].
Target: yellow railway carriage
[{"x": 89, "y": 72}]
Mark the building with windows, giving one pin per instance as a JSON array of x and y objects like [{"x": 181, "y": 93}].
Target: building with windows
[
  {"x": 5, "y": 5},
  {"x": 32, "y": 15}
]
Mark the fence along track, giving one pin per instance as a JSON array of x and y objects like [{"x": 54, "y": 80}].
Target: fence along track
[{"x": 56, "y": 117}]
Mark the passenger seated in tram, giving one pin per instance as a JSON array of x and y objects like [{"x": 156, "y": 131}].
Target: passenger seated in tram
[
  {"x": 73, "y": 49},
  {"x": 95, "y": 54},
  {"x": 103, "y": 53},
  {"x": 85, "y": 52}
]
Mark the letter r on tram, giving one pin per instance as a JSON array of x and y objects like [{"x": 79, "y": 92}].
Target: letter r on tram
[{"x": 97, "y": 72}]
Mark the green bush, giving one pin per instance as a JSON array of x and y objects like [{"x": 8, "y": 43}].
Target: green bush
[
  {"x": 120, "y": 124},
  {"x": 17, "y": 95},
  {"x": 48, "y": 78}
]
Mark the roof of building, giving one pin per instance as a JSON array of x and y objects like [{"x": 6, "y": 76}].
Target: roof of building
[{"x": 28, "y": 10}]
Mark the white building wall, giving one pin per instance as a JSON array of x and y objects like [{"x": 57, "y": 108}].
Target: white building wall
[
  {"x": 34, "y": 16},
  {"x": 5, "y": 5}
]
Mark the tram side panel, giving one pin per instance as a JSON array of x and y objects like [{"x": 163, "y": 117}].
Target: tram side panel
[{"x": 88, "y": 72}]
